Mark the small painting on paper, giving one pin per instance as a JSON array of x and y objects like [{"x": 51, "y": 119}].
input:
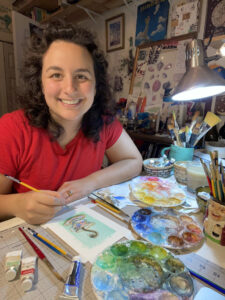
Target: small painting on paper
[{"x": 86, "y": 231}]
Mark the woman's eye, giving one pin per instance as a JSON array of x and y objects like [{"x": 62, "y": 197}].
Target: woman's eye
[
  {"x": 81, "y": 77},
  {"x": 56, "y": 75}
]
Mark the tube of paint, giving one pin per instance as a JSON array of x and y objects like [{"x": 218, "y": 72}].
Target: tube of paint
[
  {"x": 27, "y": 272},
  {"x": 71, "y": 287},
  {"x": 12, "y": 264}
]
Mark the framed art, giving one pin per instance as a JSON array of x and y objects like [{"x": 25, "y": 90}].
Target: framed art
[
  {"x": 215, "y": 18},
  {"x": 152, "y": 18},
  {"x": 184, "y": 17},
  {"x": 115, "y": 31}
]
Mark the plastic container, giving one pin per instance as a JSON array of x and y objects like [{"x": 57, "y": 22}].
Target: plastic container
[{"x": 195, "y": 176}]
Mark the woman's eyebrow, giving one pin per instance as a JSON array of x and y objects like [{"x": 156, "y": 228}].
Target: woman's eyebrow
[
  {"x": 55, "y": 68},
  {"x": 82, "y": 70}
]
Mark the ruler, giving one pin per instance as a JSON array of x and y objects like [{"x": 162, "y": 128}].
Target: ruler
[{"x": 205, "y": 270}]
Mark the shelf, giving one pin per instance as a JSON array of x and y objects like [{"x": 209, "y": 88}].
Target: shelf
[
  {"x": 217, "y": 41},
  {"x": 152, "y": 138},
  {"x": 71, "y": 13}
]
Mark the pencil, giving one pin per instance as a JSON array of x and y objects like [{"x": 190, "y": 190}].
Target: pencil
[
  {"x": 41, "y": 255},
  {"x": 22, "y": 183},
  {"x": 51, "y": 245},
  {"x": 108, "y": 206}
]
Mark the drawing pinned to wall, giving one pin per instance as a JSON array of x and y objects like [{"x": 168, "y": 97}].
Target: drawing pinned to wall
[
  {"x": 215, "y": 18},
  {"x": 5, "y": 22},
  {"x": 184, "y": 17},
  {"x": 152, "y": 20}
]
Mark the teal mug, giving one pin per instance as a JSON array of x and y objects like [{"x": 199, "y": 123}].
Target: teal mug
[{"x": 179, "y": 153}]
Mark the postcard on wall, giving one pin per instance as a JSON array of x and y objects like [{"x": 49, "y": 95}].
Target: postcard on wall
[
  {"x": 86, "y": 231},
  {"x": 152, "y": 18},
  {"x": 184, "y": 17},
  {"x": 215, "y": 18}
]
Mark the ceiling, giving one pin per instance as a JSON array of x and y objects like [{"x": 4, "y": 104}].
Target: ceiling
[{"x": 75, "y": 13}]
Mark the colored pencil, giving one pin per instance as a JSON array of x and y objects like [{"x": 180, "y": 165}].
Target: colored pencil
[
  {"x": 108, "y": 206},
  {"x": 22, "y": 183},
  {"x": 51, "y": 245},
  {"x": 41, "y": 255}
]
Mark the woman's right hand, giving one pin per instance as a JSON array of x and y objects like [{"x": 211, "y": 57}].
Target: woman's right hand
[{"x": 38, "y": 207}]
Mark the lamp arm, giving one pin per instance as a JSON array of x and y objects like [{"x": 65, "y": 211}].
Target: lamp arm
[{"x": 214, "y": 57}]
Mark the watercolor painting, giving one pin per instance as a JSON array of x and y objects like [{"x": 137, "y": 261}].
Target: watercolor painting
[
  {"x": 88, "y": 230},
  {"x": 152, "y": 18}
]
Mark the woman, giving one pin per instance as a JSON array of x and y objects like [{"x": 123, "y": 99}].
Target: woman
[{"x": 57, "y": 140}]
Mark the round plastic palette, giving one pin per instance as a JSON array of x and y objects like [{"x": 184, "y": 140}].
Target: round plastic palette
[
  {"x": 137, "y": 270},
  {"x": 154, "y": 191},
  {"x": 166, "y": 228}
]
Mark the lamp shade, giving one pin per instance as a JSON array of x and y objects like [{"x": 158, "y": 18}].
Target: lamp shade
[{"x": 199, "y": 81}]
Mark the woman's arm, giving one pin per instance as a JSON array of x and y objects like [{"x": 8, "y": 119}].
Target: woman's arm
[
  {"x": 33, "y": 207},
  {"x": 126, "y": 162}
]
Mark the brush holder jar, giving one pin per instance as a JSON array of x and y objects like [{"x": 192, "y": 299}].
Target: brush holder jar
[{"x": 179, "y": 153}]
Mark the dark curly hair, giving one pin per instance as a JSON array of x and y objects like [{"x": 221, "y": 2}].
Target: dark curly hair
[{"x": 31, "y": 98}]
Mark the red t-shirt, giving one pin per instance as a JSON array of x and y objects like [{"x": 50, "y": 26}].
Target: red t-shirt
[{"x": 28, "y": 154}]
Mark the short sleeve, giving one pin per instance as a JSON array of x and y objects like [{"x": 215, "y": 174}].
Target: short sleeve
[
  {"x": 11, "y": 138},
  {"x": 113, "y": 132}
]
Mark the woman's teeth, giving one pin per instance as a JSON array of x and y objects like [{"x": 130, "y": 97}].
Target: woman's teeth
[{"x": 71, "y": 101}]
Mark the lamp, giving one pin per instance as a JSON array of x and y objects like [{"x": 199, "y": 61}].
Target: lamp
[{"x": 199, "y": 81}]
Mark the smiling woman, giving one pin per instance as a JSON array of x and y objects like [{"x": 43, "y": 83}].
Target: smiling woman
[{"x": 57, "y": 141}]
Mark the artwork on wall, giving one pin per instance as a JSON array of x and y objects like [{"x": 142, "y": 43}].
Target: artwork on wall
[
  {"x": 152, "y": 20},
  {"x": 215, "y": 18},
  {"x": 115, "y": 29},
  {"x": 5, "y": 23},
  {"x": 184, "y": 17},
  {"x": 158, "y": 68}
]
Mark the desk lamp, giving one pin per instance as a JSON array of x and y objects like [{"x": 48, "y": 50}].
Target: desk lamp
[{"x": 199, "y": 81}]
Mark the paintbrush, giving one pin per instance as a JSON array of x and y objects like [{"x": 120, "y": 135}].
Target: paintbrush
[
  {"x": 41, "y": 255},
  {"x": 210, "y": 120},
  {"x": 194, "y": 135},
  {"x": 182, "y": 136},
  {"x": 171, "y": 131}
]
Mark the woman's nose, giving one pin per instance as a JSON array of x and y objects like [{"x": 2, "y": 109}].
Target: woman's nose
[{"x": 70, "y": 85}]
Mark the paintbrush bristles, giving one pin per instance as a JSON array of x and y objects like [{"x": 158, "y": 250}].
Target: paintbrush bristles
[{"x": 211, "y": 119}]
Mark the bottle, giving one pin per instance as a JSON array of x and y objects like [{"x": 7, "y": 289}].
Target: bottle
[
  {"x": 12, "y": 264},
  {"x": 27, "y": 272}
]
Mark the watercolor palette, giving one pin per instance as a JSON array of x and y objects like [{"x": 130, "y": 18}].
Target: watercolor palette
[
  {"x": 137, "y": 270},
  {"x": 154, "y": 191},
  {"x": 167, "y": 228}
]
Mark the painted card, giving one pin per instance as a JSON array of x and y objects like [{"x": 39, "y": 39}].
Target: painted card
[
  {"x": 152, "y": 18},
  {"x": 86, "y": 231}
]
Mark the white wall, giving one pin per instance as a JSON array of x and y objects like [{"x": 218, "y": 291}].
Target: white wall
[{"x": 21, "y": 32}]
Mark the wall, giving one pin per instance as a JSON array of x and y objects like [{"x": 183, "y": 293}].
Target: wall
[
  {"x": 21, "y": 32},
  {"x": 115, "y": 58},
  {"x": 5, "y": 21}
]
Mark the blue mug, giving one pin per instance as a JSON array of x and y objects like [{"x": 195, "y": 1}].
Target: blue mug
[{"x": 179, "y": 153}]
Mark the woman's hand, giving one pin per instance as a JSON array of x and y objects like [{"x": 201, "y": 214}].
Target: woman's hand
[
  {"x": 76, "y": 189},
  {"x": 38, "y": 207}
]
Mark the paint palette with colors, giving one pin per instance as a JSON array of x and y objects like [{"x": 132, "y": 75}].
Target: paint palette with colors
[
  {"x": 167, "y": 228},
  {"x": 137, "y": 270},
  {"x": 154, "y": 191}
]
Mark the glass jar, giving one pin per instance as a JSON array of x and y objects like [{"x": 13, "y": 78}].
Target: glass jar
[{"x": 195, "y": 176}]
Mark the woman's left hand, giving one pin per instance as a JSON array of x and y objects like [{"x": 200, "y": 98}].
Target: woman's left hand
[{"x": 76, "y": 189}]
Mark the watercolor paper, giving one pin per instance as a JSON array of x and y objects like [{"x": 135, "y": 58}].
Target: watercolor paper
[{"x": 87, "y": 231}]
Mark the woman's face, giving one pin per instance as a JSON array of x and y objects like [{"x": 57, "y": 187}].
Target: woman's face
[{"x": 68, "y": 81}]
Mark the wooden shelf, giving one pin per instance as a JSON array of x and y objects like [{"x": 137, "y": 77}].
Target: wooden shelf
[
  {"x": 217, "y": 41},
  {"x": 71, "y": 13},
  {"x": 151, "y": 138}
]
